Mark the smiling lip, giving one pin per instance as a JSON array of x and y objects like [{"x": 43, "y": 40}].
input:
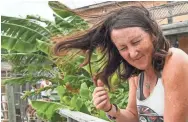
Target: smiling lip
[{"x": 138, "y": 58}]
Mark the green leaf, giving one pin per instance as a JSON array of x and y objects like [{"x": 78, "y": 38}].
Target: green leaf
[
  {"x": 66, "y": 100},
  {"x": 76, "y": 102},
  {"x": 66, "y": 19},
  {"x": 57, "y": 118},
  {"x": 70, "y": 78},
  {"x": 25, "y": 47},
  {"x": 84, "y": 109},
  {"x": 12, "y": 43},
  {"x": 102, "y": 115},
  {"x": 115, "y": 81},
  {"x": 8, "y": 42},
  {"x": 84, "y": 91},
  {"x": 61, "y": 91},
  {"x": 27, "y": 23},
  {"x": 43, "y": 46},
  {"x": 46, "y": 110},
  {"x": 20, "y": 80},
  {"x": 21, "y": 34}
]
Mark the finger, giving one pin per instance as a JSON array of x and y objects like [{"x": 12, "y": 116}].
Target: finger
[
  {"x": 102, "y": 104},
  {"x": 99, "y": 94},
  {"x": 100, "y": 83},
  {"x": 98, "y": 100},
  {"x": 98, "y": 89}
]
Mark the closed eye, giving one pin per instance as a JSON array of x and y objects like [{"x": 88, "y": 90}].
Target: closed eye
[
  {"x": 124, "y": 48},
  {"x": 136, "y": 42}
]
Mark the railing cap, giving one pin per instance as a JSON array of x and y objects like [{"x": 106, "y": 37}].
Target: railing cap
[{"x": 79, "y": 116}]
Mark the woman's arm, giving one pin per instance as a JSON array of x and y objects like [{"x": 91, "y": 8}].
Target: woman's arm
[
  {"x": 130, "y": 113},
  {"x": 175, "y": 79}
]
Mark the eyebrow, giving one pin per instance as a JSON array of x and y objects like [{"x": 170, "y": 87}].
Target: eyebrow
[
  {"x": 133, "y": 39},
  {"x": 136, "y": 37}
]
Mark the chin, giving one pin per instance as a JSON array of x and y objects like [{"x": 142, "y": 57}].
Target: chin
[{"x": 141, "y": 67}]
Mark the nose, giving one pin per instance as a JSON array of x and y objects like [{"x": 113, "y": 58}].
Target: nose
[{"x": 133, "y": 53}]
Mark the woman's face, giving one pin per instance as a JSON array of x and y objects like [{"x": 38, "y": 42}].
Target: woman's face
[{"x": 134, "y": 45}]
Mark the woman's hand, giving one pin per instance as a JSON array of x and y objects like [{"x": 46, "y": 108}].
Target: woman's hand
[{"x": 100, "y": 97}]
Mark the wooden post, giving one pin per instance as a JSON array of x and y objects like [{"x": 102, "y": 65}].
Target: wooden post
[
  {"x": 22, "y": 110},
  {"x": 27, "y": 87},
  {"x": 170, "y": 19},
  {"x": 11, "y": 106},
  {"x": 173, "y": 40}
]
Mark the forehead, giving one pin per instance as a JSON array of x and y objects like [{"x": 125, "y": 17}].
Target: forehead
[{"x": 126, "y": 33}]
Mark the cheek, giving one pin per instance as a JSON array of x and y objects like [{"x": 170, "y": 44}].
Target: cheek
[
  {"x": 150, "y": 50},
  {"x": 147, "y": 47},
  {"x": 148, "y": 53},
  {"x": 124, "y": 55}
]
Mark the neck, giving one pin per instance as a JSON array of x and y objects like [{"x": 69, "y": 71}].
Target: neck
[{"x": 150, "y": 74}]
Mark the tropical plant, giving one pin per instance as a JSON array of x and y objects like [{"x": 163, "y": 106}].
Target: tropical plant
[{"x": 27, "y": 43}]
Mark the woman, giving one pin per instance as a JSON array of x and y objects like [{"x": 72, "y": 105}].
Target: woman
[
  {"x": 157, "y": 74},
  {"x": 45, "y": 94}
]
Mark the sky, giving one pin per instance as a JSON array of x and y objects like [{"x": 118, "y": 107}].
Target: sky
[
  {"x": 21, "y": 8},
  {"x": 80, "y": 3}
]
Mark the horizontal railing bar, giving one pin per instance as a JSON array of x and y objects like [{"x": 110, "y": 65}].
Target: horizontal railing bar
[{"x": 79, "y": 116}]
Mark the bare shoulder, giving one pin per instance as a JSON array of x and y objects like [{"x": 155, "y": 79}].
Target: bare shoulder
[
  {"x": 176, "y": 64},
  {"x": 175, "y": 81},
  {"x": 176, "y": 54},
  {"x": 176, "y": 57}
]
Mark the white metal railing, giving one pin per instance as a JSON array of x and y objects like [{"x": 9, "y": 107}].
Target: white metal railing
[
  {"x": 170, "y": 10},
  {"x": 175, "y": 28},
  {"x": 75, "y": 116}
]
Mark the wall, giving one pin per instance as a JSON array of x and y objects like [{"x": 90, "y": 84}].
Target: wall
[
  {"x": 99, "y": 9},
  {"x": 183, "y": 42}
]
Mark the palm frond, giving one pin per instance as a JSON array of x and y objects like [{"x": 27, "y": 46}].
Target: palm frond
[
  {"x": 21, "y": 34},
  {"x": 27, "y": 58},
  {"x": 66, "y": 19},
  {"x": 27, "y": 23}
]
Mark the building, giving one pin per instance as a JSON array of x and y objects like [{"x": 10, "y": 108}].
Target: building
[{"x": 172, "y": 16}]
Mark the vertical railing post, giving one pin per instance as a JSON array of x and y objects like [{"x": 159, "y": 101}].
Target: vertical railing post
[
  {"x": 22, "y": 107},
  {"x": 170, "y": 19},
  {"x": 11, "y": 106},
  {"x": 71, "y": 120}
]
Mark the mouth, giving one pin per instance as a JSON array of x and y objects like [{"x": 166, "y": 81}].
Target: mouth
[{"x": 138, "y": 58}]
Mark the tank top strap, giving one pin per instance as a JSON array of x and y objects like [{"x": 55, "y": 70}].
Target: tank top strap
[{"x": 140, "y": 93}]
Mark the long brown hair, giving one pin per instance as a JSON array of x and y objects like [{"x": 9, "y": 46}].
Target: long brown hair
[{"x": 99, "y": 36}]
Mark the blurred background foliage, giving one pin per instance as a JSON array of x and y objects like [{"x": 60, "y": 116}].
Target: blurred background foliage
[{"x": 26, "y": 43}]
